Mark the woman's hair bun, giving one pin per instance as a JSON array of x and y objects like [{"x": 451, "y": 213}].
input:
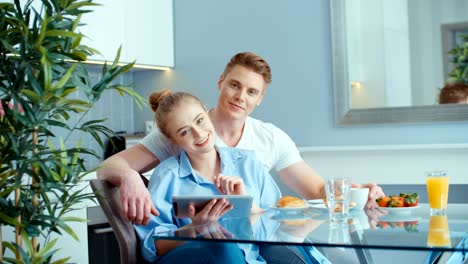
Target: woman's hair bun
[{"x": 156, "y": 98}]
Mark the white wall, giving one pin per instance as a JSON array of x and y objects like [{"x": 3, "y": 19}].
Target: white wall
[{"x": 397, "y": 164}]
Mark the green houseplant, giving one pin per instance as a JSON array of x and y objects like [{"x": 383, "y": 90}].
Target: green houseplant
[
  {"x": 459, "y": 60},
  {"x": 41, "y": 73}
]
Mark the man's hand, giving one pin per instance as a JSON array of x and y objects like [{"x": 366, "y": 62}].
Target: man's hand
[
  {"x": 304, "y": 180},
  {"x": 373, "y": 216},
  {"x": 374, "y": 192},
  {"x": 122, "y": 170},
  {"x": 136, "y": 200}
]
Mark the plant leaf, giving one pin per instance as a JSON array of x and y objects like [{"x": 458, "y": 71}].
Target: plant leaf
[
  {"x": 74, "y": 219},
  {"x": 46, "y": 248}
]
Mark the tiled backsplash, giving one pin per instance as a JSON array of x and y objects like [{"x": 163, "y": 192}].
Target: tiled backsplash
[{"x": 117, "y": 109}]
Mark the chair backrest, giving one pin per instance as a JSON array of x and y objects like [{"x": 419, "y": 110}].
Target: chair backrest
[{"x": 108, "y": 197}]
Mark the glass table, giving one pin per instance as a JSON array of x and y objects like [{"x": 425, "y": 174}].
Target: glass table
[{"x": 442, "y": 239}]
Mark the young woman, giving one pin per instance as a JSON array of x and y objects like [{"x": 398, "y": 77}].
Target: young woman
[{"x": 199, "y": 169}]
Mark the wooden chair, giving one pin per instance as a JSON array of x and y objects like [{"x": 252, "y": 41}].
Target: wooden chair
[{"x": 108, "y": 197}]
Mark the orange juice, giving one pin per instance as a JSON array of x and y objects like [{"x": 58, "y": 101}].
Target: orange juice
[
  {"x": 439, "y": 234},
  {"x": 437, "y": 191}
]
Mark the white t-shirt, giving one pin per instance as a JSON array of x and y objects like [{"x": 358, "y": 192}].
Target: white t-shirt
[{"x": 273, "y": 146}]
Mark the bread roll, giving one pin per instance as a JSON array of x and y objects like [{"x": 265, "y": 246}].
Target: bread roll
[
  {"x": 338, "y": 206},
  {"x": 290, "y": 202},
  {"x": 294, "y": 223}
]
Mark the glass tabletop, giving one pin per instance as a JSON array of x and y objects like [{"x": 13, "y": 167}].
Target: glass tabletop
[{"x": 406, "y": 229}]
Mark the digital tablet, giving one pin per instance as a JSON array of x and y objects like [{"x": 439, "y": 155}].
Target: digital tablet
[{"x": 242, "y": 204}]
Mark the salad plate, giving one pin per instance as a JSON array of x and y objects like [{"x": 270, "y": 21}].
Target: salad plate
[
  {"x": 398, "y": 218},
  {"x": 398, "y": 210}
]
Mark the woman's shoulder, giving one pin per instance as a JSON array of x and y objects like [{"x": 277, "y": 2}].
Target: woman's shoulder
[
  {"x": 170, "y": 163},
  {"x": 238, "y": 156},
  {"x": 236, "y": 152},
  {"x": 165, "y": 170}
]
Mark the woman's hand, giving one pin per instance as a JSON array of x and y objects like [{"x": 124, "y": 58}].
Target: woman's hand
[
  {"x": 230, "y": 184},
  {"x": 375, "y": 192},
  {"x": 212, "y": 230},
  {"x": 212, "y": 211}
]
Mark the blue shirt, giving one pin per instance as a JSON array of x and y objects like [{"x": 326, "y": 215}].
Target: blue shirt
[{"x": 175, "y": 176}]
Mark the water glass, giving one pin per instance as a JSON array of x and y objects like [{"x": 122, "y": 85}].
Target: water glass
[
  {"x": 337, "y": 190},
  {"x": 339, "y": 233},
  {"x": 437, "y": 183}
]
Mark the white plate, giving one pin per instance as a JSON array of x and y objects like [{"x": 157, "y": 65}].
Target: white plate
[
  {"x": 279, "y": 216},
  {"x": 323, "y": 207},
  {"x": 319, "y": 206},
  {"x": 315, "y": 201},
  {"x": 398, "y": 210},
  {"x": 289, "y": 208}
]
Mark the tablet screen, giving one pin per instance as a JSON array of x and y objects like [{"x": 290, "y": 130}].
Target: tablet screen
[{"x": 242, "y": 204}]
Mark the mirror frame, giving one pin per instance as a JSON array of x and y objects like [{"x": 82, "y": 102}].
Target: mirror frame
[{"x": 345, "y": 116}]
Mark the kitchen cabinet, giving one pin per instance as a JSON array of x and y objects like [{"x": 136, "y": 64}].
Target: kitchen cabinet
[{"x": 144, "y": 29}]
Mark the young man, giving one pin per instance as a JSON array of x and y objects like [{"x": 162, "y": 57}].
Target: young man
[{"x": 242, "y": 87}]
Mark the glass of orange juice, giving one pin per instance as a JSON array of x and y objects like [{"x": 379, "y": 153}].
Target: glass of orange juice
[
  {"x": 437, "y": 183},
  {"x": 439, "y": 233}
]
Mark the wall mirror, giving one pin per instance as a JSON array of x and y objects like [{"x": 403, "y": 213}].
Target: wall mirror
[{"x": 389, "y": 59}]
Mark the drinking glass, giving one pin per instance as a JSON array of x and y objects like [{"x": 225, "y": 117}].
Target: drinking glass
[
  {"x": 339, "y": 233},
  {"x": 437, "y": 183},
  {"x": 337, "y": 190},
  {"x": 439, "y": 233}
]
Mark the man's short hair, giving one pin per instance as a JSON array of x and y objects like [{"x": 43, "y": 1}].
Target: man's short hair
[
  {"x": 252, "y": 62},
  {"x": 453, "y": 93}
]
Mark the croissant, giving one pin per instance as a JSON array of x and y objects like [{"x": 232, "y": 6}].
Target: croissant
[{"x": 291, "y": 202}]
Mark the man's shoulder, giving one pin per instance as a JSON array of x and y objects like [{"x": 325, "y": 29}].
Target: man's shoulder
[
  {"x": 264, "y": 130},
  {"x": 259, "y": 124},
  {"x": 159, "y": 145}
]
